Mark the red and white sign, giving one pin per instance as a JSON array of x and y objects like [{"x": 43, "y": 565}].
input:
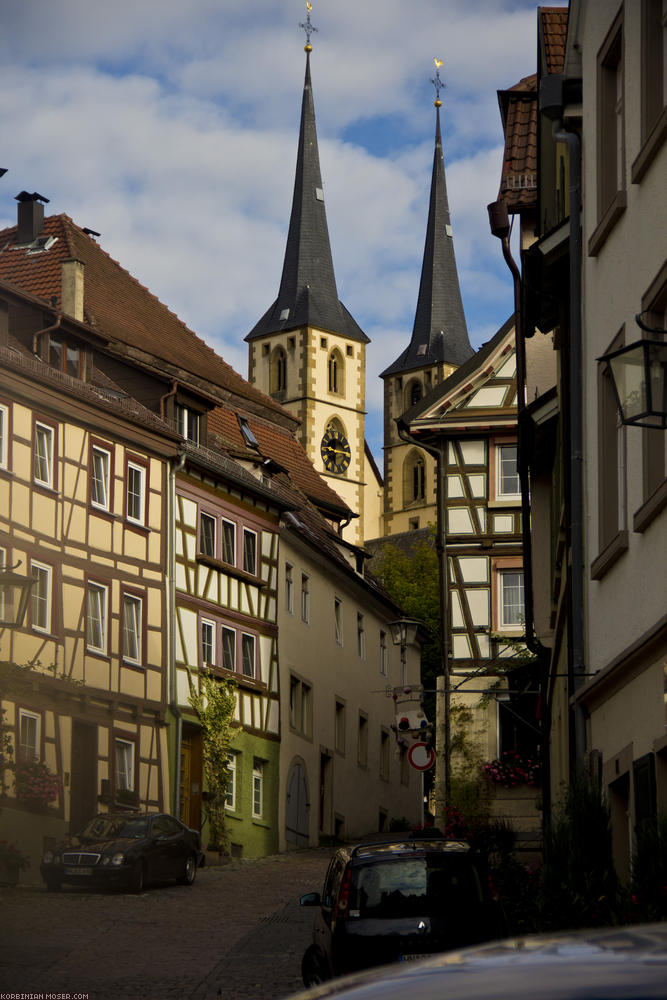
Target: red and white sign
[{"x": 421, "y": 757}]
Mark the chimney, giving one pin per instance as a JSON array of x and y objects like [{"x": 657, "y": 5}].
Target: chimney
[
  {"x": 30, "y": 216},
  {"x": 71, "y": 288}
]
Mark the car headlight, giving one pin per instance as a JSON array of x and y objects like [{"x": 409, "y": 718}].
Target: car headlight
[
  {"x": 118, "y": 859},
  {"x": 48, "y": 858}
]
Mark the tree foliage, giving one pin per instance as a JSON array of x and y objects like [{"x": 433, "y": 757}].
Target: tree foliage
[{"x": 213, "y": 702}]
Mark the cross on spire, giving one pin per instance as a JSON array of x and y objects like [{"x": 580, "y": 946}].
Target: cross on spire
[
  {"x": 307, "y": 26},
  {"x": 437, "y": 82}
]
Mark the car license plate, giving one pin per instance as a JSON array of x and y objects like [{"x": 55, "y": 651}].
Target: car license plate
[{"x": 78, "y": 871}]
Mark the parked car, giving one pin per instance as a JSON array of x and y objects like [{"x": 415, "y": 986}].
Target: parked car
[
  {"x": 125, "y": 850},
  {"x": 615, "y": 964},
  {"x": 397, "y": 901}
]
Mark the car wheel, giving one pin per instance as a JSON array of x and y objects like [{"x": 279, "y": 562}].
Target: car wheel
[
  {"x": 190, "y": 870},
  {"x": 138, "y": 879},
  {"x": 53, "y": 885},
  {"x": 312, "y": 967}
]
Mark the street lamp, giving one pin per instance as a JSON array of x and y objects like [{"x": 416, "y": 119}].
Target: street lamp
[
  {"x": 403, "y": 633},
  {"x": 639, "y": 376},
  {"x": 14, "y": 596}
]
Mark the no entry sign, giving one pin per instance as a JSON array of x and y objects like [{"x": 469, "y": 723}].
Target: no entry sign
[{"x": 421, "y": 757}]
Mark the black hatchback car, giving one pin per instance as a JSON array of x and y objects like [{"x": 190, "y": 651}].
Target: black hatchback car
[
  {"x": 386, "y": 902},
  {"x": 125, "y": 851}
]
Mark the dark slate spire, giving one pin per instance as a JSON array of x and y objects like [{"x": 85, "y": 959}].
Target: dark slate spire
[
  {"x": 439, "y": 333},
  {"x": 308, "y": 294}
]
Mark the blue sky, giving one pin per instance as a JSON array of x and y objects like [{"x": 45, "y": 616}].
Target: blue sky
[{"x": 171, "y": 129}]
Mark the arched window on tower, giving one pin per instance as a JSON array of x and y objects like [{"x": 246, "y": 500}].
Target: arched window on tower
[
  {"x": 413, "y": 392},
  {"x": 278, "y": 380},
  {"x": 336, "y": 372},
  {"x": 414, "y": 478}
]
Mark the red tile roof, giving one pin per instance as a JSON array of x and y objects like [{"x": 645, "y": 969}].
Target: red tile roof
[
  {"x": 118, "y": 306},
  {"x": 279, "y": 445},
  {"x": 553, "y": 35}
]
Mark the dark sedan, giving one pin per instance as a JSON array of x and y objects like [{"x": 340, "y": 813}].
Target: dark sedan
[{"x": 125, "y": 851}]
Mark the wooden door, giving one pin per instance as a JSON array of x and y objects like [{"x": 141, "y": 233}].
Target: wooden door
[{"x": 83, "y": 775}]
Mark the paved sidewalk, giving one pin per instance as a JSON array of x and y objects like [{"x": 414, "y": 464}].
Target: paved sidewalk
[{"x": 237, "y": 934}]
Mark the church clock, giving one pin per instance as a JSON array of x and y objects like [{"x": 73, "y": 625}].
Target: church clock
[{"x": 335, "y": 451}]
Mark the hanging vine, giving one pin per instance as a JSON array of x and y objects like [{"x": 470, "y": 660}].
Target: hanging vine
[{"x": 213, "y": 701}]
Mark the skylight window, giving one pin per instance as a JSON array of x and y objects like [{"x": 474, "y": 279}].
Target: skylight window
[
  {"x": 248, "y": 436},
  {"x": 448, "y": 230},
  {"x": 284, "y": 314},
  {"x": 319, "y": 194},
  {"x": 41, "y": 244}
]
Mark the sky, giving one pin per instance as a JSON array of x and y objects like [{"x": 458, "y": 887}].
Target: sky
[{"x": 171, "y": 129}]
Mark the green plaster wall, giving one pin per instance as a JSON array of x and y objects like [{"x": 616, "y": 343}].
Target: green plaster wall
[{"x": 252, "y": 837}]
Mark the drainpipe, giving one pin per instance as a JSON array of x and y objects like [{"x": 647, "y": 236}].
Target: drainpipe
[
  {"x": 443, "y": 719},
  {"x": 36, "y": 337},
  {"x": 172, "y": 695},
  {"x": 576, "y": 665}
]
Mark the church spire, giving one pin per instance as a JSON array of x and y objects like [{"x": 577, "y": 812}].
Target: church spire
[
  {"x": 308, "y": 295},
  {"x": 440, "y": 334}
]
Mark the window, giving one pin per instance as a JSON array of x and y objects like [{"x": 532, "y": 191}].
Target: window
[
  {"x": 507, "y": 471},
  {"x": 228, "y": 648},
  {"x": 289, "y": 589},
  {"x": 336, "y": 372},
  {"x": 300, "y": 706},
  {"x": 610, "y": 135},
  {"x": 4, "y": 436},
  {"x": 653, "y": 109},
  {"x": 41, "y": 597},
  {"x": 414, "y": 476},
  {"x": 30, "y": 735},
  {"x": 100, "y": 472},
  {"x": 384, "y": 755},
  {"x": 65, "y": 356},
  {"x": 96, "y": 617},
  {"x": 43, "y": 466},
  {"x": 207, "y": 631},
  {"x": 124, "y": 765},
  {"x": 188, "y": 423},
  {"x": 654, "y": 440},
  {"x": 339, "y": 727},
  {"x": 612, "y": 537},
  {"x": 207, "y": 535},
  {"x": 511, "y": 609},
  {"x": 136, "y": 493},
  {"x": 230, "y": 795},
  {"x": 278, "y": 372},
  {"x": 248, "y": 654},
  {"x": 383, "y": 652},
  {"x": 250, "y": 551},
  {"x": 413, "y": 393},
  {"x": 338, "y": 620},
  {"x": 132, "y": 616},
  {"x": 229, "y": 542},
  {"x": 361, "y": 636},
  {"x": 305, "y": 598},
  {"x": 257, "y": 789},
  {"x": 362, "y": 741}
]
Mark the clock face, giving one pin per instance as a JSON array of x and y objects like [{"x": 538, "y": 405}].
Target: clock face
[{"x": 335, "y": 451}]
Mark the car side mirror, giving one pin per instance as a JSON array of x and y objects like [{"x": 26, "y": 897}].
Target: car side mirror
[{"x": 311, "y": 899}]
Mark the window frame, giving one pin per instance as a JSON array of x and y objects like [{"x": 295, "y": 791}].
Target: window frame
[
  {"x": 338, "y": 620},
  {"x": 501, "y": 493},
  {"x": 227, "y": 630},
  {"x": 361, "y": 635},
  {"x": 200, "y": 534},
  {"x": 305, "y": 598},
  {"x": 5, "y": 434},
  {"x": 186, "y": 419},
  {"x": 247, "y": 534},
  {"x": 131, "y": 786},
  {"x": 385, "y": 754},
  {"x": 362, "y": 740},
  {"x": 135, "y": 600},
  {"x": 97, "y": 448},
  {"x": 253, "y": 638},
  {"x": 653, "y": 115},
  {"x": 610, "y": 134},
  {"x": 339, "y": 726},
  {"x": 102, "y": 650},
  {"x": 37, "y": 568},
  {"x": 40, "y": 425},
  {"x": 384, "y": 659},
  {"x": 227, "y": 538},
  {"x": 207, "y": 623},
  {"x": 232, "y": 778},
  {"x": 502, "y": 624},
  {"x": 36, "y": 717},
  {"x": 257, "y": 788},
  {"x": 139, "y": 466},
  {"x": 289, "y": 589}
]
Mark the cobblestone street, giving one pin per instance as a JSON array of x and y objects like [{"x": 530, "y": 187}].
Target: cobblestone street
[{"x": 239, "y": 932}]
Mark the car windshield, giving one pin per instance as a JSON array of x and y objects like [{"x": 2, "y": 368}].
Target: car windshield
[
  {"x": 114, "y": 827},
  {"x": 410, "y": 886}
]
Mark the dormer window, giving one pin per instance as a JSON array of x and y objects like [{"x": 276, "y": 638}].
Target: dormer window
[
  {"x": 65, "y": 355},
  {"x": 188, "y": 423},
  {"x": 41, "y": 244},
  {"x": 248, "y": 436}
]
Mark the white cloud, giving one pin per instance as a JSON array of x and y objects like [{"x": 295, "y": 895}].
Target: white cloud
[{"x": 172, "y": 129}]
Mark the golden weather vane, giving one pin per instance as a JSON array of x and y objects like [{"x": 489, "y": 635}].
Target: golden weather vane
[
  {"x": 307, "y": 26},
  {"x": 437, "y": 82}
]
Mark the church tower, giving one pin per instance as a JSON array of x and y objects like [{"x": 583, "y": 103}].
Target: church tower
[
  {"x": 439, "y": 345},
  {"x": 307, "y": 351}
]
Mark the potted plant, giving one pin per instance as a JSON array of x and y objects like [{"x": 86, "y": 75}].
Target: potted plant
[
  {"x": 511, "y": 770},
  {"x": 12, "y": 862},
  {"x": 35, "y": 784}
]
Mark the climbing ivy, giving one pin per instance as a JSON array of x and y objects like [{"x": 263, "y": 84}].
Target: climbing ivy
[{"x": 213, "y": 701}]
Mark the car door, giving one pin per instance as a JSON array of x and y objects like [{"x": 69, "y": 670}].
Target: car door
[{"x": 169, "y": 847}]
